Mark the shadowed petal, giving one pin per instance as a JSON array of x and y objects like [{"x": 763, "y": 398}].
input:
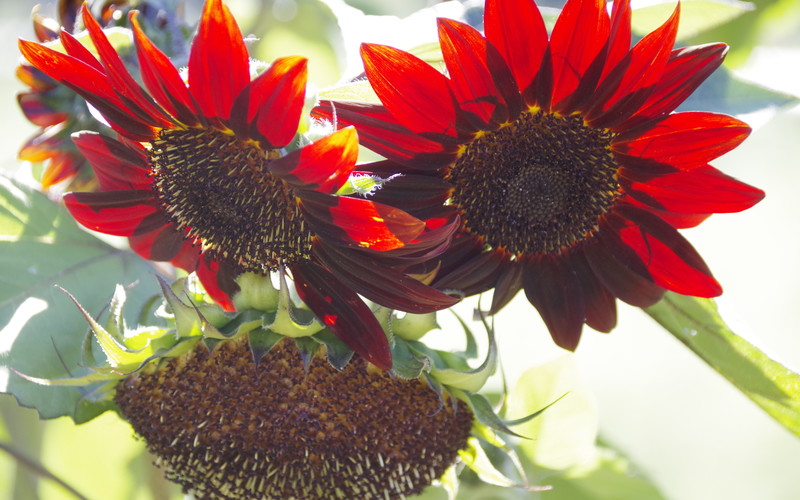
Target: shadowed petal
[
  {"x": 62, "y": 166},
  {"x": 120, "y": 213},
  {"x": 600, "y": 304},
  {"x": 323, "y": 166},
  {"x": 117, "y": 167},
  {"x": 417, "y": 95},
  {"x": 218, "y": 279},
  {"x": 508, "y": 284},
  {"x": 552, "y": 287},
  {"x": 163, "y": 244},
  {"x": 477, "y": 273},
  {"x": 218, "y": 63},
  {"x": 343, "y": 313}
]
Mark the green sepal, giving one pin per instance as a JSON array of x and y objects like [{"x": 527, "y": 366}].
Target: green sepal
[
  {"x": 337, "y": 352},
  {"x": 261, "y": 342},
  {"x": 475, "y": 457},
  {"x": 242, "y": 323},
  {"x": 308, "y": 348},
  {"x": 187, "y": 320},
  {"x": 255, "y": 292},
  {"x": 289, "y": 320},
  {"x": 406, "y": 364},
  {"x": 413, "y": 326},
  {"x": 483, "y": 411}
]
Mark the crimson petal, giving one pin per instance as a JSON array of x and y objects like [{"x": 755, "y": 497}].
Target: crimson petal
[
  {"x": 119, "y": 213},
  {"x": 600, "y": 304},
  {"x": 277, "y": 99},
  {"x": 415, "y": 93},
  {"x": 683, "y": 140},
  {"x": 219, "y": 65},
  {"x": 552, "y": 287},
  {"x": 359, "y": 222},
  {"x": 323, "y": 166},
  {"x": 476, "y": 274},
  {"x": 384, "y": 285},
  {"x": 163, "y": 244},
  {"x": 508, "y": 284},
  {"x": 218, "y": 280},
  {"x": 116, "y": 166},
  {"x": 343, "y": 313}
]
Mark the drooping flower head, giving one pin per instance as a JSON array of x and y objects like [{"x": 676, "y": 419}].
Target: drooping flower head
[
  {"x": 207, "y": 173},
  {"x": 562, "y": 155}
]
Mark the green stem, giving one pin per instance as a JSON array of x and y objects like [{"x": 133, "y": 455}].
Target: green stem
[{"x": 39, "y": 469}]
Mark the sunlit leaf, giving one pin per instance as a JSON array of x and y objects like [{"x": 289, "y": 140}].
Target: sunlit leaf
[
  {"x": 697, "y": 323},
  {"x": 41, "y": 330},
  {"x": 697, "y": 16}
]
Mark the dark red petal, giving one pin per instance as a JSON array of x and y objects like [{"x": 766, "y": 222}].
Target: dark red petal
[
  {"x": 219, "y": 66},
  {"x": 383, "y": 285},
  {"x": 218, "y": 280},
  {"x": 117, "y": 166},
  {"x": 629, "y": 84},
  {"x": 163, "y": 244},
  {"x": 676, "y": 220},
  {"x": 340, "y": 309},
  {"x": 600, "y": 304},
  {"x": 359, "y": 222},
  {"x": 120, "y": 213},
  {"x": 670, "y": 259},
  {"x": 702, "y": 190},
  {"x": 619, "y": 39},
  {"x": 621, "y": 270},
  {"x": 552, "y": 287},
  {"x": 415, "y": 93},
  {"x": 379, "y": 131},
  {"x": 578, "y": 38},
  {"x": 277, "y": 97},
  {"x": 38, "y": 111},
  {"x": 686, "y": 69},
  {"x": 683, "y": 140},
  {"x": 61, "y": 167},
  {"x": 480, "y": 79},
  {"x": 121, "y": 80},
  {"x": 477, "y": 273},
  {"x": 323, "y": 166},
  {"x": 517, "y": 30},
  {"x": 508, "y": 284},
  {"x": 161, "y": 77}
]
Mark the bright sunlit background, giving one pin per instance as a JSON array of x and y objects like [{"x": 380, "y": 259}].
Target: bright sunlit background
[{"x": 681, "y": 424}]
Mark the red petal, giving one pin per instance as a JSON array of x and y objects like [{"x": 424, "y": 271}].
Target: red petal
[
  {"x": 219, "y": 65},
  {"x": 686, "y": 69},
  {"x": 163, "y": 244},
  {"x": 43, "y": 146},
  {"x": 620, "y": 269},
  {"x": 517, "y": 30},
  {"x": 379, "y": 131},
  {"x": 683, "y": 140},
  {"x": 508, "y": 284},
  {"x": 218, "y": 280},
  {"x": 161, "y": 77},
  {"x": 77, "y": 50},
  {"x": 343, "y": 313},
  {"x": 359, "y": 222},
  {"x": 120, "y": 213},
  {"x": 38, "y": 111},
  {"x": 477, "y": 77},
  {"x": 619, "y": 39},
  {"x": 116, "y": 166},
  {"x": 678, "y": 221},
  {"x": 278, "y": 96},
  {"x": 671, "y": 260},
  {"x": 552, "y": 287},
  {"x": 323, "y": 166},
  {"x": 702, "y": 190},
  {"x": 383, "y": 285},
  {"x": 600, "y": 304},
  {"x": 417, "y": 95},
  {"x": 61, "y": 167},
  {"x": 633, "y": 80},
  {"x": 578, "y": 39},
  {"x": 477, "y": 273}
]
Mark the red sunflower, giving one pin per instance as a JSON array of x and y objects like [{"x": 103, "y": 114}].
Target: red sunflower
[
  {"x": 563, "y": 157},
  {"x": 208, "y": 174}
]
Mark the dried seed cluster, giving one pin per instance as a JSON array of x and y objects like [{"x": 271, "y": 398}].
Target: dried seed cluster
[{"x": 228, "y": 430}]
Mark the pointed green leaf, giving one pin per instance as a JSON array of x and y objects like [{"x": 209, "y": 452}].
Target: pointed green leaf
[{"x": 696, "y": 322}]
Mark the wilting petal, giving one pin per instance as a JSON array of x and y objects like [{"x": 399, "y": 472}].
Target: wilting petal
[
  {"x": 683, "y": 140},
  {"x": 552, "y": 287},
  {"x": 162, "y": 78},
  {"x": 702, "y": 190},
  {"x": 381, "y": 284},
  {"x": 343, "y": 313},
  {"x": 117, "y": 167},
  {"x": 119, "y": 213},
  {"x": 686, "y": 69},
  {"x": 578, "y": 39},
  {"x": 359, "y": 222},
  {"x": 323, "y": 166},
  {"x": 417, "y": 95},
  {"x": 480, "y": 79},
  {"x": 219, "y": 65},
  {"x": 517, "y": 30},
  {"x": 670, "y": 259}
]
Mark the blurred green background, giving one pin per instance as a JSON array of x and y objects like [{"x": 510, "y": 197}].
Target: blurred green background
[{"x": 683, "y": 426}]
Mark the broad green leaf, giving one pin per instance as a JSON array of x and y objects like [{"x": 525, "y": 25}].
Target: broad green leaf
[
  {"x": 357, "y": 91},
  {"x": 697, "y": 323},
  {"x": 41, "y": 330},
  {"x": 697, "y": 16}
]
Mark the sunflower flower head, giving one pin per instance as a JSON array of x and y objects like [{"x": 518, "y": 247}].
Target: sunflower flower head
[
  {"x": 207, "y": 171},
  {"x": 562, "y": 155}
]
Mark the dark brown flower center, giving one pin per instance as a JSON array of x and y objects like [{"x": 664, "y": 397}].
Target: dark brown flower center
[
  {"x": 217, "y": 188},
  {"x": 537, "y": 186},
  {"x": 229, "y": 429}
]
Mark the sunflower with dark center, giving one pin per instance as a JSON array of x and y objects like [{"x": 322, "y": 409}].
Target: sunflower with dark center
[
  {"x": 563, "y": 156},
  {"x": 208, "y": 174},
  {"x": 227, "y": 428}
]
